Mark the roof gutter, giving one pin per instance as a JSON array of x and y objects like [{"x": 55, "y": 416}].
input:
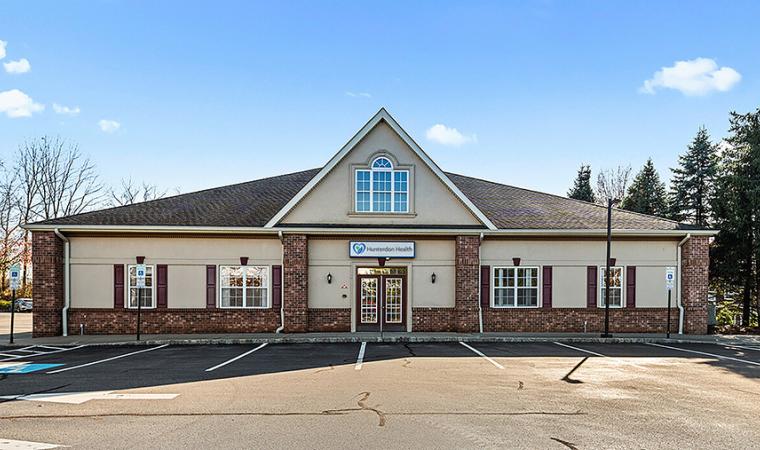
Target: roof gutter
[
  {"x": 66, "y": 281},
  {"x": 282, "y": 284},
  {"x": 365, "y": 231},
  {"x": 680, "y": 297}
]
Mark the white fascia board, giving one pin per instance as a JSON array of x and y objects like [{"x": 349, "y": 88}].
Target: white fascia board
[
  {"x": 381, "y": 115},
  {"x": 363, "y": 231}
]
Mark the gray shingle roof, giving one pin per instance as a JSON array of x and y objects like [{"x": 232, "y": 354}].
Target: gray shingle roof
[
  {"x": 510, "y": 207},
  {"x": 249, "y": 204},
  {"x": 253, "y": 203}
]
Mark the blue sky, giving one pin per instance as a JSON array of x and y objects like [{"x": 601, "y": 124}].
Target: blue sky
[{"x": 212, "y": 93}]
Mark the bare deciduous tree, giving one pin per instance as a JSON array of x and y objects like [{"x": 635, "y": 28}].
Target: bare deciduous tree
[
  {"x": 129, "y": 193},
  {"x": 612, "y": 184},
  {"x": 68, "y": 182},
  {"x": 10, "y": 230}
]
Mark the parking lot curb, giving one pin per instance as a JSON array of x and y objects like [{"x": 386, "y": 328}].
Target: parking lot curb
[{"x": 295, "y": 339}]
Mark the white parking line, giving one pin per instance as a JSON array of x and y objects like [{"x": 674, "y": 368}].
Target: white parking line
[
  {"x": 14, "y": 357},
  {"x": 107, "y": 359},
  {"x": 360, "y": 358},
  {"x": 582, "y": 350},
  {"x": 742, "y": 347},
  {"x": 706, "y": 354},
  {"x": 50, "y": 347},
  {"x": 483, "y": 355},
  {"x": 236, "y": 358}
]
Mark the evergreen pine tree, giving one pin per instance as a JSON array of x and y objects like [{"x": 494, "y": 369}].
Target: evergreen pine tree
[
  {"x": 647, "y": 193},
  {"x": 736, "y": 211},
  {"x": 582, "y": 186},
  {"x": 692, "y": 183}
]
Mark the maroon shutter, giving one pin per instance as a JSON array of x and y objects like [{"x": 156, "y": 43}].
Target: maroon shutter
[
  {"x": 547, "y": 291},
  {"x": 485, "y": 286},
  {"x": 161, "y": 285},
  {"x": 630, "y": 287},
  {"x": 118, "y": 286},
  {"x": 276, "y": 286},
  {"x": 210, "y": 286},
  {"x": 591, "y": 286}
]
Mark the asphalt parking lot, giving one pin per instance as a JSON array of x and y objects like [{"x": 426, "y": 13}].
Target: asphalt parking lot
[{"x": 536, "y": 395}]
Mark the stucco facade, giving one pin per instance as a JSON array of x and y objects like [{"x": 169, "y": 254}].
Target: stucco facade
[{"x": 286, "y": 254}]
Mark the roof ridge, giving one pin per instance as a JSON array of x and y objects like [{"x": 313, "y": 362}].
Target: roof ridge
[{"x": 567, "y": 198}]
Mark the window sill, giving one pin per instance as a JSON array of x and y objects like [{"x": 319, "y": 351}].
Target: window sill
[
  {"x": 383, "y": 214},
  {"x": 516, "y": 307},
  {"x": 244, "y": 307}
]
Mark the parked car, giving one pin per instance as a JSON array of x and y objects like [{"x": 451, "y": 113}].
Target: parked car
[{"x": 23, "y": 304}]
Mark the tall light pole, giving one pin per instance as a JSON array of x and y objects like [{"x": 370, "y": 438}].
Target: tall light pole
[{"x": 607, "y": 333}]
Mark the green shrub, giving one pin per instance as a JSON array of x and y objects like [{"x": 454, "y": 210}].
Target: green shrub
[{"x": 5, "y": 305}]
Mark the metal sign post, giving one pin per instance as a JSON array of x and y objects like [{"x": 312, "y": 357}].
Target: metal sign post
[
  {"x": 15, "y": 276},
  {"x": 670, "y": 274},
  {"x": 139, "y": 284}
]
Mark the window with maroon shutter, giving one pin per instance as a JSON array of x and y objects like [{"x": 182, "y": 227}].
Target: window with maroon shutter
[
  {"x": 630, "y": 287},
  {"x": 591, "y": 287},
  {"x": 118, "y": 286},
  {"x": 210, "y": 286},
  {"x": 485, "y": 286},
  {"x": 162, "y": 285},
  {"x": 276, "y": 286},
  {"x": 547, "y": 285}
]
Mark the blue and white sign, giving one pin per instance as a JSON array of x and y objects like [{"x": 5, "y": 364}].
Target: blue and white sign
[
  {"x": 382, "y": 249},
  {"x": 140, "y": 276},
  {"x": 670, "y": 276},
  {"x": 15, "y": 276}
]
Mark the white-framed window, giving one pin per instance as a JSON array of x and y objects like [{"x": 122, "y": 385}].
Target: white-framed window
[
  {"x": 616, "y": 287},
  {"x": 145, "y": 295},
  {"x": 381, "y": 189},
  {"x": 515, "y": 287},
  {"x": 243, "y": 286}
]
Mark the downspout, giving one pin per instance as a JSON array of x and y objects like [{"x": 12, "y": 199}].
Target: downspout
[
  {"x": 480, "y": 284},
  {"x": 66, "y": 282},
  {"x": 282, "y": 286},
  {"x": 680, "y": 297}
]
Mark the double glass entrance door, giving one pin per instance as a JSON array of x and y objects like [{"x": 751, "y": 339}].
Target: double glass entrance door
[{"x": 381, "y": 299}]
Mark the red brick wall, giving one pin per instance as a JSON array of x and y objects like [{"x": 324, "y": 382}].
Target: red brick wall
[
  {"x": 295, "y": 287},
  {"x": 466, "y": 279},
  {"x": 47, "y": 283},
  {"x": 174, "y": 321},
  {"x": 433, "y": 319},
  {"x": 571, "y": 320},
  {"x": 329, "y": 319},
  {"x": 695, "y": 273}
]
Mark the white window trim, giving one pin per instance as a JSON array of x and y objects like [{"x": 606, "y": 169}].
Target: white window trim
[
  {"x": 600, "y": 298},
  {"x": 220, "y": 287},
  {"x": 393, "y": 171},
  {"x": 539, "y": 303},
  {"x": 154, "y": 275}
]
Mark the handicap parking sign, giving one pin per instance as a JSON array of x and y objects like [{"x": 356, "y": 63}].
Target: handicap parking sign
[{"x": 670, "y": 275}]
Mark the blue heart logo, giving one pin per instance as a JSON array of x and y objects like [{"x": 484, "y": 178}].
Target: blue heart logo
[{"x": 359, "y": 248}]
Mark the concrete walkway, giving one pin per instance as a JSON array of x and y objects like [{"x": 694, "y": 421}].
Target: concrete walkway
[{"x": 256, "y": 338}]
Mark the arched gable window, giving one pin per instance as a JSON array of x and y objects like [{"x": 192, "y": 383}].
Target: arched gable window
[{"x": 382, "y": 189}]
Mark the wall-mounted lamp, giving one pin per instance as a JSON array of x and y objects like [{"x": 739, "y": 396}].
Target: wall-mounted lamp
[
  {"x": 613, "y": 261},
  {"x": 329, "y": 278},
  {"x": 516, "y": 261},
  {"x": 243, "y": 260},
  {"x": 140, "y": 259},
  {"x": 432, "y": 278}
]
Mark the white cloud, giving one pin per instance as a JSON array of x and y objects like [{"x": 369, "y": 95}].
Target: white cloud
[
  {"x": 15, "y": 103},
  {"x": 60, "y": 109},
  {"x": 698, "y": 76},
  {"x": 448, "y": 136},
  {"x": 109, "y": 126},
  {"x": 359, "y": 94},
  {"x": 20, "y": 66},
  {"x": 3, "y": 44}
]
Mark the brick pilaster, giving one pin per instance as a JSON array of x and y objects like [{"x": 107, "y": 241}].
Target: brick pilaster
[
  {"x": 466, "y": 295},
  {"x": 695, "y": 264},
  {"x": 47, "y": 283},
  {"x": 295, "y": 287}
]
